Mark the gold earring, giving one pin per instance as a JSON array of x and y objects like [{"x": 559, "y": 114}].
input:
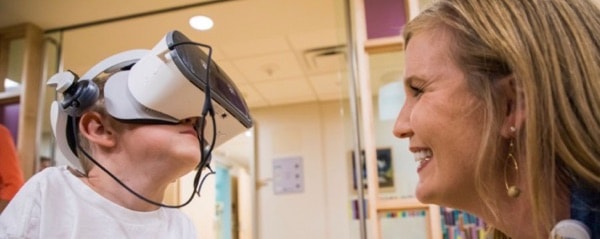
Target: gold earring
[{"x": 512, "y": 191}]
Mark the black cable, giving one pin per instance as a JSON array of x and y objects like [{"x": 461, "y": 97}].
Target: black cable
[
  {"x": 206, "y": 162},
  {"x": 207, "y": 109}
]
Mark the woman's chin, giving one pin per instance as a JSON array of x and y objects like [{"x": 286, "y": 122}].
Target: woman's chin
[{"x": 424, "y": 195}]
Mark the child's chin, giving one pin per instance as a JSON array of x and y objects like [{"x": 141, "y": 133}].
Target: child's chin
[{"x": 188, "y": 161}]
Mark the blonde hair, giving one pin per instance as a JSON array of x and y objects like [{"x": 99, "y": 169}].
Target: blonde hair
[{"x": 552, "y": 49}]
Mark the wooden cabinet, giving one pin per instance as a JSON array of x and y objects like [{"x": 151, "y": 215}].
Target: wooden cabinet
[{"x": 29, "y": 95}]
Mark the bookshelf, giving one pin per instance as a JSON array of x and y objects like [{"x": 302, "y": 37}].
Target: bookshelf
[
  {"x": 459, "y": 224},
  {"x": 439, "y": 222},
  {"x": 432, "y": 215}
]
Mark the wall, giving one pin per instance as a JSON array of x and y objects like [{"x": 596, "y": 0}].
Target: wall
[
  {"x": 320, "y": 133},
  {"x": 314, "y": 132}
]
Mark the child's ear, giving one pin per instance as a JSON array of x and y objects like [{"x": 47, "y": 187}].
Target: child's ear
[
  {"x": 514, "y": 106},
  {"x": 95, "y": 129}
]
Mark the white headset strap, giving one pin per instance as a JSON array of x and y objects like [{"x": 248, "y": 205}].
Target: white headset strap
[
  {"x": 115, "y": 62},
  {"x": 58, "y": 117}
]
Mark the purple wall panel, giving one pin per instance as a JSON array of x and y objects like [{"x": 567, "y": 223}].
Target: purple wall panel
[
  {"x": 9, "y": 117},
  {"x": 384, "y": 18}
]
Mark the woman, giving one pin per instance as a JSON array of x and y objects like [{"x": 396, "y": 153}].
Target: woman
[{"x": 503, "y": 111}]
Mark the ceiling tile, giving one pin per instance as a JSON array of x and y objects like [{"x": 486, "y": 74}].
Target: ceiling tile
[
  {"x": 328, "y": 86},
  {"x": 269, "y": 67},
  {"x": 255, "y": 47},
  {"x": 286, "y": 91},
  {"x": 302, "y": 41},
  {"x": 252, "y": 97}
]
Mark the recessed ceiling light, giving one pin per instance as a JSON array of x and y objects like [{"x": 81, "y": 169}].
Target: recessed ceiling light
[{"x": 201, "y": 23}]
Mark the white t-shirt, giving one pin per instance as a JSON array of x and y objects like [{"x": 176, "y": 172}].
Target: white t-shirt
[{"x": 56, "y": 204}]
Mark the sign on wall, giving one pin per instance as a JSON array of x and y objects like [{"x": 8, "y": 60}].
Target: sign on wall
[{"x": 288, "y": 176}]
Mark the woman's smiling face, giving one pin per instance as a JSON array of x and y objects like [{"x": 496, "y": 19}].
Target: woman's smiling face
[{"x": 442, "y": 119}]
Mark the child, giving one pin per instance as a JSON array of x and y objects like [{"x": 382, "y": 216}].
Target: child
[{"x": 130, "y": 149}]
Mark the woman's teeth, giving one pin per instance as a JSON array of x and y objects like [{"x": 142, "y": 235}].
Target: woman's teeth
[{"x": 423, "y": 155}]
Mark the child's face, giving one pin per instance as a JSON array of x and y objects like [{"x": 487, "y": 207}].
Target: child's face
[{"x": 162, "y": 149}]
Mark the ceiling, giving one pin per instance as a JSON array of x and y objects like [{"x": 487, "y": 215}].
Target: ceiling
[{"x": 277, "y": 52}]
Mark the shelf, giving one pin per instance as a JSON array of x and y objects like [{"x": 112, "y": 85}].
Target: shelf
[
  {"x": 385, "y": 44},
  {"x": 395, "y": 204},
  {"x": 433, "y": 212}
]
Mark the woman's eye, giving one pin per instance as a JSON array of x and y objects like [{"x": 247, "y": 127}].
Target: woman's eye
[{"x": 415, "y": 90}]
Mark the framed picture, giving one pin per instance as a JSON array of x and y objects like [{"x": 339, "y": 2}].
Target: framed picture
[{"x": 385, "y": 170}]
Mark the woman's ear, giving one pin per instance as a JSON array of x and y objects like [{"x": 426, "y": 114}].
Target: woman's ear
[
  {"x": 96, "y": 129},
  {"x": 514, "y": 106}
]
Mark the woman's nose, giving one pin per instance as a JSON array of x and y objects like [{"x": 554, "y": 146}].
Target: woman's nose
[{"x": 402, "y": 127}]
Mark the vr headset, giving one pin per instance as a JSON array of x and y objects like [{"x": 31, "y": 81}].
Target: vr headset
[{"x": 166, "y": 84}]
